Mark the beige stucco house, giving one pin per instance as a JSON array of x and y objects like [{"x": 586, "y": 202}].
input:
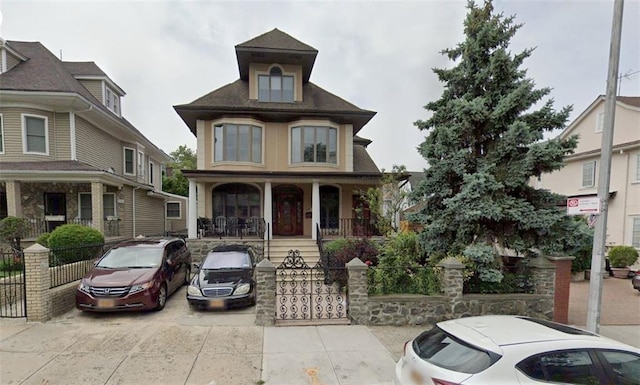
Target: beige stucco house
[
  {"x": 68, "y": 155},
  {"x": 579, "y": 178},
  {"x": 276, "y": 153}
]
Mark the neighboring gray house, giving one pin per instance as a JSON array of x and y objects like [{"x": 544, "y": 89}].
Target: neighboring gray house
[{"x": 67, "y": 154}]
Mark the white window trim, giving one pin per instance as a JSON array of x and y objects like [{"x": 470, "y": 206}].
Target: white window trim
[
  {"x": 637, "y": 168},
  {"x": 106, "y": 89},
  {"x": 237, "y": 121},
  {"x": 24, "y": 134},
  {"x": 599, "y": 122},
  {"x": 124, "y": 160},
  {"x": 268, "y": 73},
  {"x": 151, "y": 181},
  {"x": 179, "y": 210},
  {"x": 593, "y": 174},
  {"x": 80, "y": 204},
  {"x": 140, "y": 163},
  {"x": 315, "y": 123},
  {"x": 1, "y": 134}
]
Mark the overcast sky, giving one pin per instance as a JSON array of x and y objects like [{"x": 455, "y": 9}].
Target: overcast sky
[{"x": 377, "y": 55}]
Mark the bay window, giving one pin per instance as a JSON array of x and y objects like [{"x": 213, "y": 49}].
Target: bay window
[
  {"x": 310, "y": 144},
  {"x": 237, "y": 143}
]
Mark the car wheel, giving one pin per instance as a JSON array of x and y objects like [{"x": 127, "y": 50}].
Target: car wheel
[
  {"x": 187, "y": 276},
  {"x": 162, "y": 298}
]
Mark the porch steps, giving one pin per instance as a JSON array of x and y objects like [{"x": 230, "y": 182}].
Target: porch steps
[{"x": 279, "y": 249}]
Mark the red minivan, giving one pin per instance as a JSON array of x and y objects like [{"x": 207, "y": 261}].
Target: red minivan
[{"x": 139, "y": 274}]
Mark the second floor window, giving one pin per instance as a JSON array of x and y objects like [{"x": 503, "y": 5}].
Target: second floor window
[
  {"x": 275, "y": 87},
  {"x": 150, "y": 172},
  {"x": 589, "y": 174},
  {"x": 128, "y": 161},
  {"x": 35, "y": 135},
  {"x": 140, "y": 163},
  {"x": 237, "y": 143},
  {"x": 314, "y": 145}
]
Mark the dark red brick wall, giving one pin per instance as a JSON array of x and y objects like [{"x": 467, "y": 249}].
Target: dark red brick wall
[{"x": 561, "y": 298}]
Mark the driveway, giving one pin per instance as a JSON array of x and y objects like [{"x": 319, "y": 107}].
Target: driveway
[{"x": 182, "y": 346}]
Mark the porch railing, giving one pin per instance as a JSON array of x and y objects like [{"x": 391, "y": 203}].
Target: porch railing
[
  {"x": 349, "y": 227},
  {"x": 39, "y": 226},
  {"x": 231, "y": 227}
]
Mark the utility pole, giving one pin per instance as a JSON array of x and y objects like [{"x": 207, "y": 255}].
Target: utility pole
[{"x": 600, "y": 234}]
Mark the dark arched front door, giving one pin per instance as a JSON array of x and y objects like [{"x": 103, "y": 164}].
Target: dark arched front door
[{"x": 287, "y": 210}]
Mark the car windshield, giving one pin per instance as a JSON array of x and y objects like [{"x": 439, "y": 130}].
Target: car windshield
[
  {"x": 132, "y": 257},
  {"x": 227, "y": 260},
  {"x": 446, "y": 351}
]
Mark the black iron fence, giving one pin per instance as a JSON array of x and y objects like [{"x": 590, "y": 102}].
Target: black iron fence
[
  {"x": 349, "y": 227},
  {"x": 12, "y": 284},
  {"x": 70, "y": 264},
  {"x": 231, "y": 227}
]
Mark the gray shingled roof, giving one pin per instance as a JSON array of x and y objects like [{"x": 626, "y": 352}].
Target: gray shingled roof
[
  {"x": 88, "y": 68},
  {"x": 630, "y": 100},
  {"x": 56, "y": 165},
  {"x": 362, "y": 141},
  {"x": 236, "y": 94},
  {"x": 362, "y": 162},
  {"x": 276, "y": 40}
]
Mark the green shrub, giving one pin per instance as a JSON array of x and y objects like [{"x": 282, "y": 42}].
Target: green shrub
[
  {"x": 345, "y": 250},
  {"x": 12, "y": 229},
  {"x": 622, "y": 256},
  {"x": 71, "y": 243},
  {"x": 43, "y": 239}
]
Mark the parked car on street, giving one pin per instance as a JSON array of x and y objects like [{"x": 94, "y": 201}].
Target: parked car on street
[
  {"x": 514, "y": 350},
  {"x": 224, "y": 279},
  {"x": 139, "y": 274},
  {"x": 635, "y": 280}
]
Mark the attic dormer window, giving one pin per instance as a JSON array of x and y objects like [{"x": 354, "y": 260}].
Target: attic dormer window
[
  {"x": 112, "y": 100},
  {"x": 275, "y": 87}
]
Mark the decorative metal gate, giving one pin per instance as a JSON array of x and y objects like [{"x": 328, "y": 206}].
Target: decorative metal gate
[
  {"x": 305, "y": 293},
  {"x": 13, "y": 299}
]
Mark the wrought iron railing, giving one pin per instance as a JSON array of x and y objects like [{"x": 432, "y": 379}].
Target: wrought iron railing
[
  {"x": 39, "y": 226},
  {"x": 12, "y": 284},
  {"x": 222, "y": 227},
  {"x": 349, "y": 227},
  {"x": 70, "y": 264},
  {"x": 324, "y": 258}
]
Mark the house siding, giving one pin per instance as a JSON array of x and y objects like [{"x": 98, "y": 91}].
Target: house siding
[
  {"x": 97, "y": 148},
  {"x": 147, "y": 224},
  {"x": 95, "y": 87},
  {"x": 626, "y": 129},
  {"x": 61, "y": 141},
  {"x": 12, "y": 126}
]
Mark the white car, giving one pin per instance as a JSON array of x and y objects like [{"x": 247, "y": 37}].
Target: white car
[{"x": 514, "y": 350}]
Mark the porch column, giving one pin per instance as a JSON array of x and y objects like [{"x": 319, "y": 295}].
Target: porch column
[
  {"x": 268, "y": 201},
  {"x": 14, "y": 199},
  {"x": 201, "y": 204},
  {"x": 192, "y": 225},
  {"x": 97, "y": 208},
  {"x": 315, "y": 208}
]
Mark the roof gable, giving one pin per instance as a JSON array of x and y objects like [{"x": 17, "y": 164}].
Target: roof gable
[{"x": 275, "y": 46}]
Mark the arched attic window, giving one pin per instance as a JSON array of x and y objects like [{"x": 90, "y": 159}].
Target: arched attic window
[{"x": 275, "y": 87}]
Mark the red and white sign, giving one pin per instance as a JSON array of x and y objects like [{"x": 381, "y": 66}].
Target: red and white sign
[{"x": 583, "y": 206}]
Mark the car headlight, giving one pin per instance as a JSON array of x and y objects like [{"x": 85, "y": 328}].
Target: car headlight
[
  {"x": 141, "y": 287},
  {"x": 193, "y": 290},
  {"x": 242, "y": 289},
  {"x": 84, "y": 287}
]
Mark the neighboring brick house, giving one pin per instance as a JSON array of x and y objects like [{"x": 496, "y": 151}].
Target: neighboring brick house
[
  {"x": 579, "y": 178},
  {"x": 275, "y": 148},
  {"x": 67, "y": 154}
]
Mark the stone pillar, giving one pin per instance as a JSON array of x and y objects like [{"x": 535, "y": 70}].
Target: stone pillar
[
  {"x": 38, "y": 282},
  {"x": 265, "y": 293},
  {"x": 562, "y": 288},
  {"x": 14, "y": 199},
  {"x": 452, "y": 279},
  {"x": 315, "y": 208},
  {"x": 97, "y": 207},
  {"x": 357, "y": 292},
  {"x": 543, "y": 275},
  {"x": 192, "y": 224}
]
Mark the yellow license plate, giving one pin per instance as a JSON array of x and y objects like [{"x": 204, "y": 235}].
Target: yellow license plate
[
  {"x": 106, "y": 303},
  {"x": 216, "y": 303}
]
